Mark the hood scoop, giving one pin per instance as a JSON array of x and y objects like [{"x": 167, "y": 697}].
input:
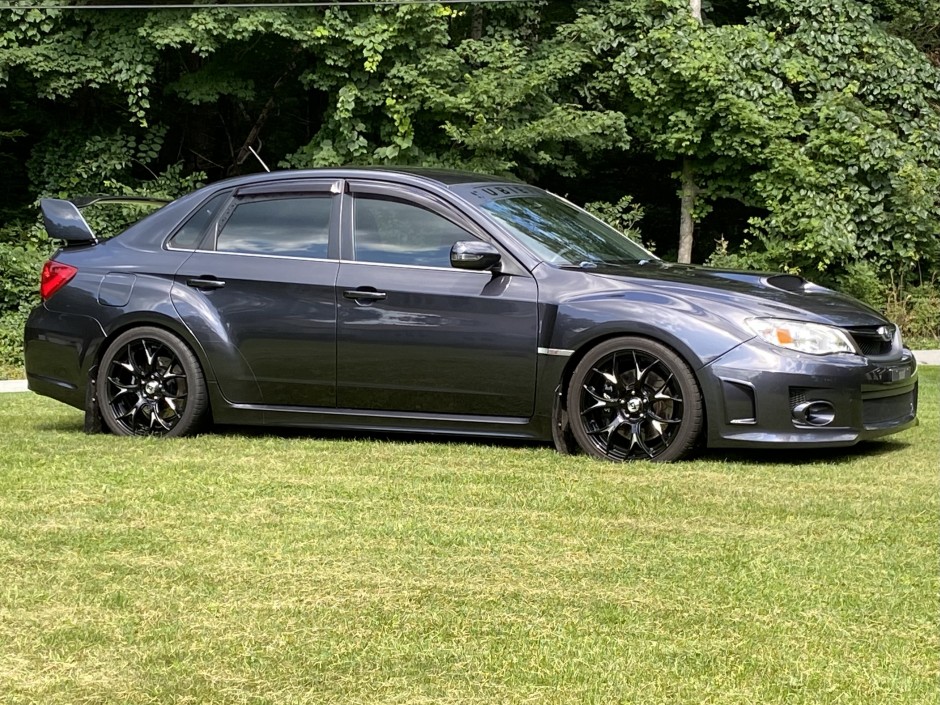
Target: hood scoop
[{"x": 788, "y": 282}]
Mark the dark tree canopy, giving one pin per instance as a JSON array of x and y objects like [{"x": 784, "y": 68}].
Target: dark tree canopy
[{"x": 813, "y": 127}]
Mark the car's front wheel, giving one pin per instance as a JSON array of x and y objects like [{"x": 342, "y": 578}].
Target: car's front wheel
[
  {"x": 634, "y": 399},
  {"x": 150, "y": 384}
]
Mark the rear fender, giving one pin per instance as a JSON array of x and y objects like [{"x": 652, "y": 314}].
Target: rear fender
[{"x": 235, "y": 377}]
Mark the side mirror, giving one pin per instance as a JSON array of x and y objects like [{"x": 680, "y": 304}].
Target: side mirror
[{"x": 474, "y": 254}]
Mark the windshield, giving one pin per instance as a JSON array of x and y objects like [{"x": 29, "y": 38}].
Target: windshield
[{"x": 554, "y": 230}]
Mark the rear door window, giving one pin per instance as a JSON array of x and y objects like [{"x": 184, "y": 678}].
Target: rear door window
[{"x": 283, "y": 227}]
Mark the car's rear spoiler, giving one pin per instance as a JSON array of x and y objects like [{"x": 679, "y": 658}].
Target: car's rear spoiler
[{"x": 63, "y": 219}]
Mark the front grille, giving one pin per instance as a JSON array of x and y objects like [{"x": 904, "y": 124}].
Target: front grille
[
  {"x": 871, "y": 339},
  {"x": 888, "y": 409}
]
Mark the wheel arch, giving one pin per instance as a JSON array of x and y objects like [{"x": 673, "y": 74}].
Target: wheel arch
[
  {"x": 682, "y": 351},
  {"x": 152, "y": 320},
  {"x": 694, "y": 363}
]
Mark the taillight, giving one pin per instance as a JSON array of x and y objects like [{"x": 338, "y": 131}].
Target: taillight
[{"x": 55, "y": 275}]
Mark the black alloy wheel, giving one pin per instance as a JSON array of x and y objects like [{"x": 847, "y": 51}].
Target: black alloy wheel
[
  {"x": 634, "y": 399},
  {"x": 150, "y": 384}
]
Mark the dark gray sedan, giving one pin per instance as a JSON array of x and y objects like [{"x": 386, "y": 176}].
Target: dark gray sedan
[{"x": 448, "y": 303}]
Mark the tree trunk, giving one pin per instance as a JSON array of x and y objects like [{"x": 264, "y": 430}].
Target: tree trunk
[
  {"x": 686, "y": 224},
  {"x": 476, "y": 22},
  {"x": 689, "y": 189}
]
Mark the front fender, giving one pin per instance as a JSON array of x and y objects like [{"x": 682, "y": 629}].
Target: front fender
[{"x": 697, "y": 334}]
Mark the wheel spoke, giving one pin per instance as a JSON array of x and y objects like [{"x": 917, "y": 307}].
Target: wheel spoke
[
  {"x": 599, "y": 397},
  {"x": 601, "y": 401},
  {"x": 598, "y": 406},
  {"x": 666, "y": 397},
  {"x": 659, "y": 419},
  {"x": 637, "y": 439},
  {"x": 149, "y": 356},
  {"x": 132, "y": 364},
  {"x": 120, "y": 393},
  {"x": 641, "y": 374},
  {"x": 610, "y": 377},
  {"x": 131, "y": 414},
  {"x": 157, "y": 418},
  {"x": 610, "y": 431},
  {"x": 662, "y": 394},
  {"x": 124, "y": 387}
]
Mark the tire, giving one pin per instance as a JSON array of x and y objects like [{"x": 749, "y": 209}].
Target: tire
[
  {"x": 634, "y": 399},
  {"x": 151, "y": 384}
]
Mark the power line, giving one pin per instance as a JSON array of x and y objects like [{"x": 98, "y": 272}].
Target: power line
[{"x": 254, "y": 5}]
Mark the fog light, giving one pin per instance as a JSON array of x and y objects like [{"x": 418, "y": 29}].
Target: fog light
[{"x": 814, "y": 413}]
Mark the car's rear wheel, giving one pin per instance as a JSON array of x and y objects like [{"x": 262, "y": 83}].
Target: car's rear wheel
[
  {"x": 150, "y": 384},
  {"x": 634, "y": 399}
]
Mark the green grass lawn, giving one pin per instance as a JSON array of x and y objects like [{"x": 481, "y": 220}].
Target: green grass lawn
[{"x": 308, "y": 569}]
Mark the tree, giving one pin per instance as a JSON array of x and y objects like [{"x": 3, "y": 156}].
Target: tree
[
  {"x": 820, "y": 118},
  {"x": 689, "y": 188},
  {"x": 811, "y": 112}
]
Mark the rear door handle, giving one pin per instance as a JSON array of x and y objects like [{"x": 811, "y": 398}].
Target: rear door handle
[
  {"x": 364, "y": 295},
  {"x": 205, "y": 282}
]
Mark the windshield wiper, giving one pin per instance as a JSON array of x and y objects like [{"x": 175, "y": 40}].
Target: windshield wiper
[{"x": 595, "y": 263}]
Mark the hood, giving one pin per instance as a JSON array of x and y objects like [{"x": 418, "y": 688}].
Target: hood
[{"x": 757, "y": 293}]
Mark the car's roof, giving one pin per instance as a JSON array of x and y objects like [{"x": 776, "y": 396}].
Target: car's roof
[
  {"x": 448, "y": 177},
  {"x": 443, "y": 177}
]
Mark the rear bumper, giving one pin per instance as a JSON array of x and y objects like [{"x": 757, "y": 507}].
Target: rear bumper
[
  {"x": 58, "y": 348},
  {"x": 757, "y": 395}
]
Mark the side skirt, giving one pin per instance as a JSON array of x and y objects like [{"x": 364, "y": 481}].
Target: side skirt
[{"x": 534, "y": 429}]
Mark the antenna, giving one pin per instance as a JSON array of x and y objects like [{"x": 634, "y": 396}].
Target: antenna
[{"x": 260, "y": 160}]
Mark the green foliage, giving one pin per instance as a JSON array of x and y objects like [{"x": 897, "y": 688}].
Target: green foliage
[
  {"x": 11, "y": 344},
  {"x": 624, "y": 215},
  {"x": 917, "y": 310},
  {"x": 21, "y": 262},
  {"x": 810, "y": 111}
]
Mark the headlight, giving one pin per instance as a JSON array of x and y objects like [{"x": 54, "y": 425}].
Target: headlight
[{"x": 812, "y": 338}]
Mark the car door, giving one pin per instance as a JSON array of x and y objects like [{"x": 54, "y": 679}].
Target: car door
[
  {"x": 260, "y": 294},
  {"x": 417, "y": 335}
]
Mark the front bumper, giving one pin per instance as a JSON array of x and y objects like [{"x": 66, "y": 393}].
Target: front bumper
[{"x": 757, "y": 395}]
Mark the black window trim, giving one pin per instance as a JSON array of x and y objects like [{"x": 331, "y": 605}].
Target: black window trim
[{"x": 202, "y": 239}]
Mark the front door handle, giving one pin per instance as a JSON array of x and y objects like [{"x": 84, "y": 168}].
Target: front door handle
[
  {"x": 364, "y": 294},
  {"x": 205, "y": 282}
]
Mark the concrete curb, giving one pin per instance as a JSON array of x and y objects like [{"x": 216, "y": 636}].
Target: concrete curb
[
  {"x": 923, "y": 357},
  {"x": 927, "y": 357}
]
